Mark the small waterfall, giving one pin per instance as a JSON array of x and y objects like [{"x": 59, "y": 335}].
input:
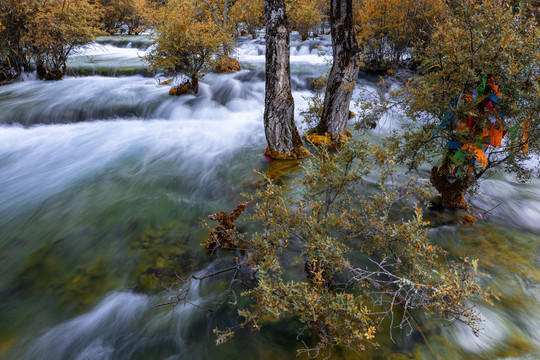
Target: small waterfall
[
  {"x": 140, "y": 42},
  {"x": 42, "y": 161},
  {"x": 111, "y": 56},
  {"x": 99, "y": 98}
]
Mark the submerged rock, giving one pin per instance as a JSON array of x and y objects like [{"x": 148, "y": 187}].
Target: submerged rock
[
  {"x": 278, "y": 169},
  {"x": 162, "y": 256}
]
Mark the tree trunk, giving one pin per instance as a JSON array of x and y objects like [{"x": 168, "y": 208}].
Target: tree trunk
[
  {"x": 450, "y": 187},
  {"x": 344, "y": 71},
  {"x": 283, "y": 139}
]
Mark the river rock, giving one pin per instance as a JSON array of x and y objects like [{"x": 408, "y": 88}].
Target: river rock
[{"x": 186, "y": 88}]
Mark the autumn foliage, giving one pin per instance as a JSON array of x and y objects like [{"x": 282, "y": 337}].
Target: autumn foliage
[
  {"x": 248, "y": 16},
  {"x": 14, "y": 15},
  {"x": 44, "y": 33},
  {"x": 307, "y": 16},
  {"x": 186, "y": 40},
  {"x": 55, "y": 30},
  {"x": 118, "y": 13},
  {"x": 388, "y": 31}
]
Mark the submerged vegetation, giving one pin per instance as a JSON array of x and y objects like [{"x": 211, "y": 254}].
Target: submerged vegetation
[{"x": 342, "y": 255}]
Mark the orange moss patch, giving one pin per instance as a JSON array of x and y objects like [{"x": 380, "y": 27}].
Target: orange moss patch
[
  {"x": 183, "y": 90},
  {"x": 165, "y": 82},
  {"x": 324, "y": 140},
  {"x": 301, "y": 153},
  {"x": 468, "y": 220},
  {"x": 227, "y": 65}
]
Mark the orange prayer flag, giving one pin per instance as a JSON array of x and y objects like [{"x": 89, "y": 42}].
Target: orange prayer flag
[
  {"x": 476, "y": 153},
  {"x": 526, "y": 129}
]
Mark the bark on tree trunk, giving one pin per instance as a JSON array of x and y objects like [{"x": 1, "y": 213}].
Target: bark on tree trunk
[
  {"x": 283, "y": 139},
  {"x": 450, "y": 187},
  {"x": 344, "y": 71}
]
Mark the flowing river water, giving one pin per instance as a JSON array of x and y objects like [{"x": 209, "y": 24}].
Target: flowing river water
[{"x": 105, "y": 180}]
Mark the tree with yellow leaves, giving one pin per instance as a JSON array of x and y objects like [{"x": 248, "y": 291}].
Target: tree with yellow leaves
[
  {"x": 58, "y": 27},
  {"x": 306, "y": 16},
  {"x": 389, "y": 30},
  {"x": 14, "y": 16},
  {"x": 186, "y": 39},
  {"x": 43, "y": 32},
  {"x": 118, "y": 13},
  {"x": 248, "y": 15}
]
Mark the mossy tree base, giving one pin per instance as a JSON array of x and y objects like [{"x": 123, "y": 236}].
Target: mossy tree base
[
  {"x": 46, "y": 73},
  {"x": 325, "y": 139},
  {"x": 450, "y": 188},
  {"x": 298, "y": 153}
]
